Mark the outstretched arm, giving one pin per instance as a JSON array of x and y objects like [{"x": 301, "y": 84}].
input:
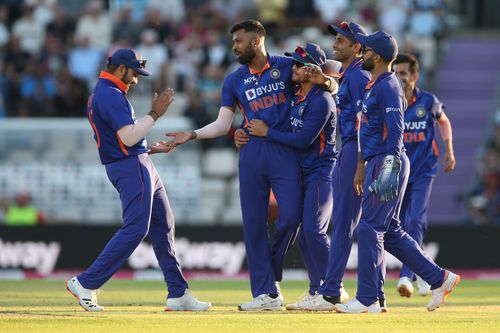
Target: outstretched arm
[{"x": 215, "y": 129}]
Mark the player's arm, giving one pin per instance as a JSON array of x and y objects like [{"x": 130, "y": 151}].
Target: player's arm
[
  {"x": 314, "y": 119},
  {"x": 316, "y": 75},
  {"x": 445, "y": 130},
  {"x": 217, "y": 128},
  {"x": 133, "y": 133},
  {"x": 359, "y": 176},
  {"x": 385, "y": 187},
  {"x": 221, "y": 125},
  {"x": 357, "y": 86}
]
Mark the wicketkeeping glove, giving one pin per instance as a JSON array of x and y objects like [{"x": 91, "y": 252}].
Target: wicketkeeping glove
[{"x": 385, "y": 187}]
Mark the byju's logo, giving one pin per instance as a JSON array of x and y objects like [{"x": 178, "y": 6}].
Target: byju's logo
[{"x": 250, "y": 94}]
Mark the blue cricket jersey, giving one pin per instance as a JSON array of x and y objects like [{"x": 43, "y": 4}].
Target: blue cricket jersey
[
  {"x": 381, "y": 130},
  {"x": 261, "y": 95},
  {"x": 420, "y": 118},
  {"x": 312, "y": 120},
  {"x": 353, "y": 81},
  {"x": 108, "y": 110}
]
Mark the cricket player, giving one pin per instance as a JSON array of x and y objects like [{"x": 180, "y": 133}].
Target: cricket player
[
  {"x": 312, "y": 121},
  {"x": 423, "y": 112},
  {"x": 346, "y": 193},
  {"x": 146, "y": 210},
  {"x": 386, "y": 176},
  {"x": 261, "y": 88}
]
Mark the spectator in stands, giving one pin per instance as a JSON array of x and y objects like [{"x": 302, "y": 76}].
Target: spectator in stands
[
  {"x": 38, "y": 89},
  {"x": 30, "y": 31},
  {"x": 62, "y": 27},
  {"x": 157, "y": 56},
  {"x": 4, "y": 31},
  {"x": 96, "y": 25},
  {"x": 331, "y": 11},
  {"x": 84, "y": 61},
  {"x": 23, "y": 212},
  {"x": 72, "y": 95}
]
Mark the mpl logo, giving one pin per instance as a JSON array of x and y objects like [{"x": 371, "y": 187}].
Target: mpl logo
[
  {"x": 249, "y": 80},
  {"x": 250, "y": 94}
]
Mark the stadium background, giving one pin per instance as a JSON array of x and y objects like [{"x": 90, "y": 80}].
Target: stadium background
[{"x": 51, "y": 52}]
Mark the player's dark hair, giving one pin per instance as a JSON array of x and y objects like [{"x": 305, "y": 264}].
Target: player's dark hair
[
  {"x": 110, "y": 68},
  {"x": 250, "y": 26},
  {"x": 407, "y": 58}
]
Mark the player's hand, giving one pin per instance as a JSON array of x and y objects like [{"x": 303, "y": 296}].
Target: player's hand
[
  {"x": 160, "y": 147},
  {"x": 257, "y": 127},
  {"x": 315, "y": 75},
  {"x": 240, "y": 138},
  {"x": 385, "y": 187},
  {"x": 161, "y": 102},
  {"x": 359, "y": 178},
  {"x": 178, "y": 138},
  {"x": 449, "y": 161}
]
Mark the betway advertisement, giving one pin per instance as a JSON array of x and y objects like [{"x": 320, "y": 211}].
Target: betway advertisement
[{"x": 44, "y": 249}]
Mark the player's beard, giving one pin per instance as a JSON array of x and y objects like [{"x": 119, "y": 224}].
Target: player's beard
[
  {"x": 368, "y": 64},
  {"x": 129, "y": 82},
  {"x": 247, "y": 56}
]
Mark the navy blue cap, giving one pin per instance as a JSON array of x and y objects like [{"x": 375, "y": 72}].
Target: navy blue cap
[
  {"x": 131, "y": 59},
  {"x": 309, "y": 53},
  {"x": 381, "y": 43},
  {"x": 348, "y": 29}
]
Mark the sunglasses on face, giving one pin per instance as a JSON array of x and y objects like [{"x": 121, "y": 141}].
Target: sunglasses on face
[
  {"x": 141, "y": 63},
  {"x": 299, "y": 64}
]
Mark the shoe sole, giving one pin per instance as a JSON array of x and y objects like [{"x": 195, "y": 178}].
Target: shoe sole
[
  {"x": 339, "y": 309},
  {"x": 78, "y": 299},
  {"x": 263, "y": 309},
  {"x": 404, "y": 291},
  {"x": 184, "y": 310},
  {"x": 446, "y": 293}
]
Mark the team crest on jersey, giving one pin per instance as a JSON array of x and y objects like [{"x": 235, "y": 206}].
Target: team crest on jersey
[
  {"x": 275, "y": 73},
  {"x": 250, "y": 93},
  {"x": 420, "y": 112}
]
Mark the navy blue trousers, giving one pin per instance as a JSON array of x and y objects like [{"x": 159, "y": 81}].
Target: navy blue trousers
[
  {"x": 146, "y": 212},
  {"x": 263, "y": 166},
  {"x": 346, "y": 214},
  {"x": 379, "y": 228},
  {"x": 314, "y": 242},
  {"x": 414, "y": 213}
]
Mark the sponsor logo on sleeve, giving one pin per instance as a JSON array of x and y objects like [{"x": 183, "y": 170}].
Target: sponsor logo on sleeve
[{"x": 390, "y": 109}]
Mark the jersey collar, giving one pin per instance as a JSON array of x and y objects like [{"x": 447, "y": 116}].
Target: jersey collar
[
  {"x": 254, "y": 71},
  {"x": 117, "y": 82},
  {"x": 381, "y": 78},
  {"x": 356, "y": 62}
]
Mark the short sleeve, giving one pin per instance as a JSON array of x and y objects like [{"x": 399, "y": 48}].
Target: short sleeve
[
  {"x": 228, "y": 94},
  {"x": 437, "y": 107}
]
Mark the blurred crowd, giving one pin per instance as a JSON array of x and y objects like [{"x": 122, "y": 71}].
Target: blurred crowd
[
  {"x": 51, "y": 51},
  {"x": 484, "y": 198}
]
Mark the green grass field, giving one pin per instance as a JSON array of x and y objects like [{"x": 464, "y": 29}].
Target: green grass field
[{"x": 137, "y": 306}]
